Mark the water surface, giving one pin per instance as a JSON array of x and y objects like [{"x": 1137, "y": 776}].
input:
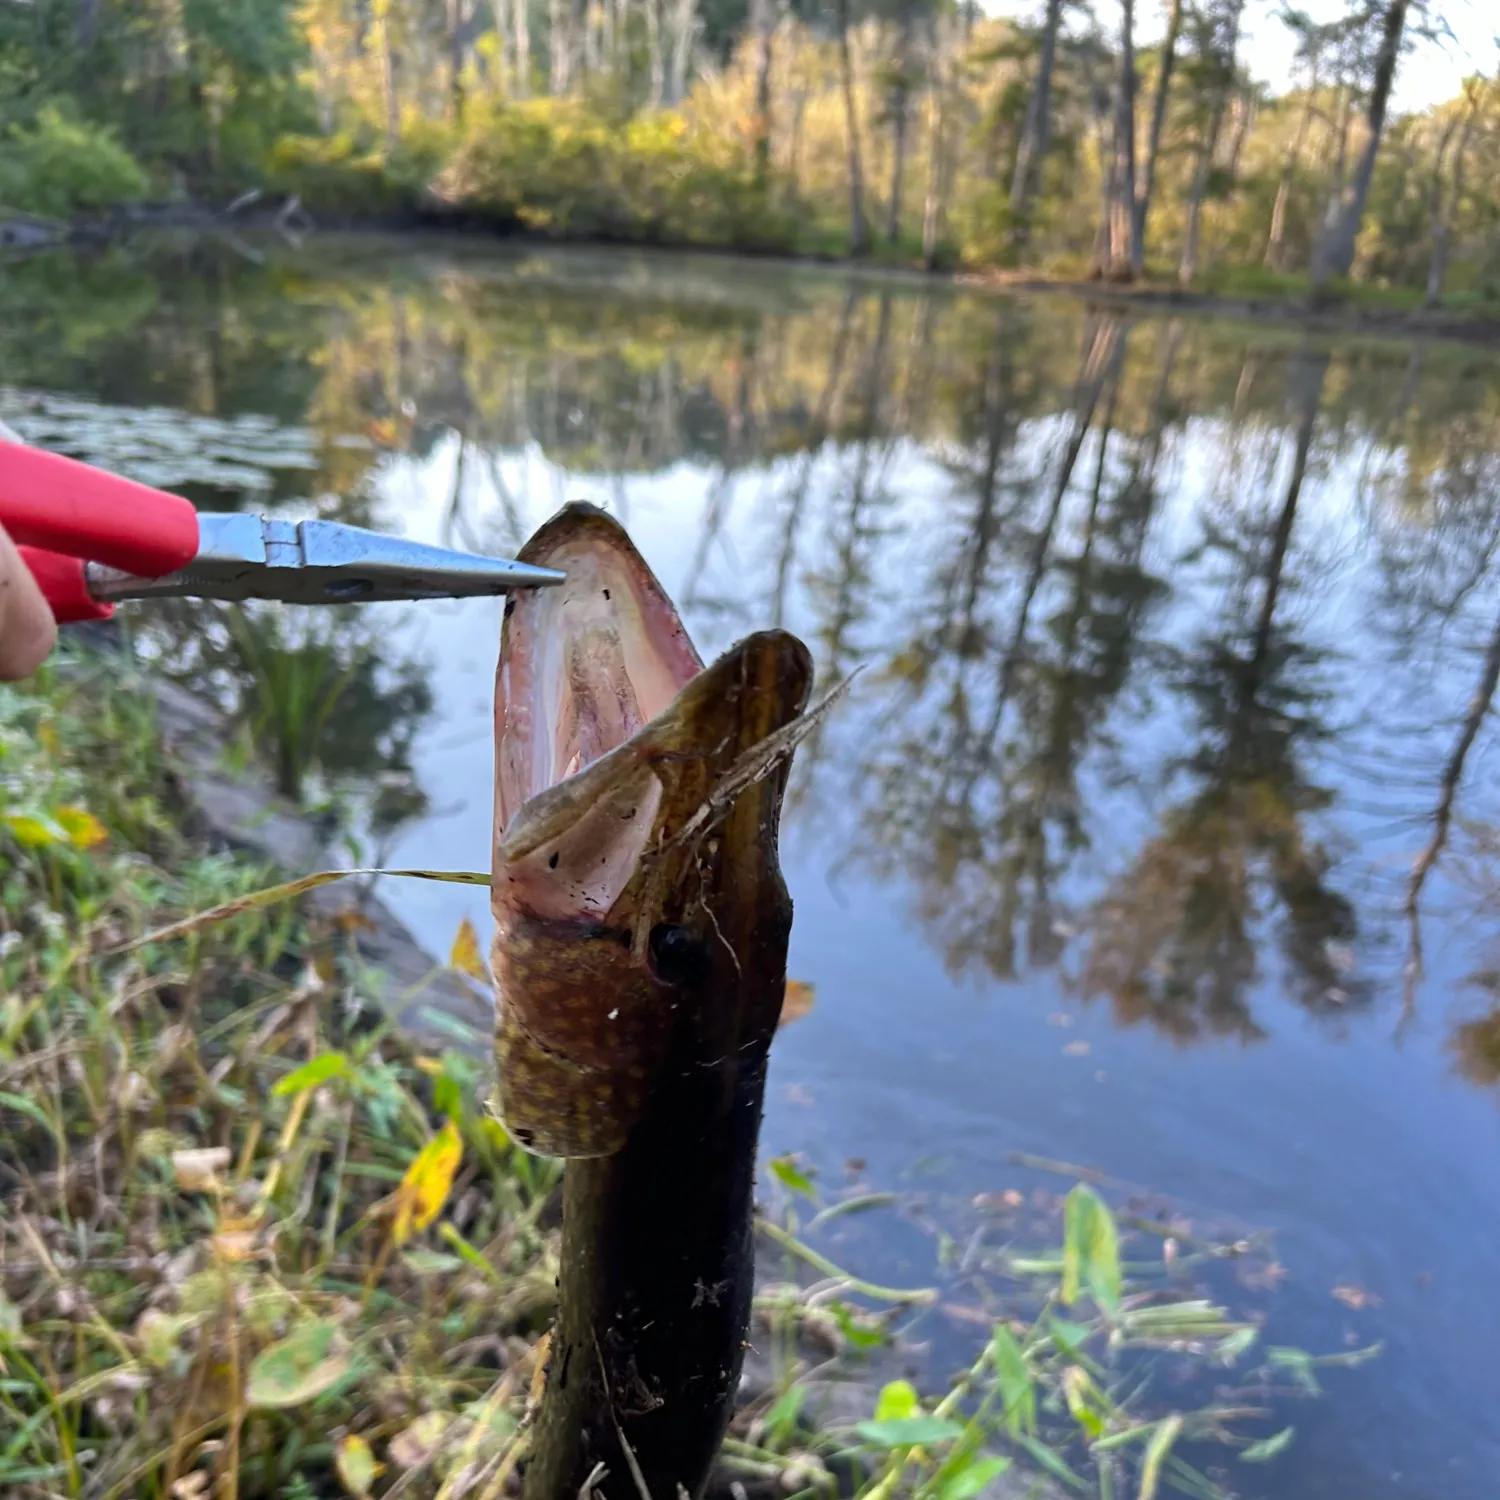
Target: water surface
[{"x": 1154, "y": 834}]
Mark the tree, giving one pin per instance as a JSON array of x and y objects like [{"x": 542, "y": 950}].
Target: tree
[
  {"x": 1036, "y": 132},
  {"x": 1446, "y": 203},
  {"x": 859, "y": 230},
  {"x": 898, "y": 111},
  {"x": 1334, "y": 254},
  {"x": 1124, "y": 255},
  {"x": 1218, "y": 40},
  {"x": 1312, "y": 41},
  {"x": 1164, "y": 68}
]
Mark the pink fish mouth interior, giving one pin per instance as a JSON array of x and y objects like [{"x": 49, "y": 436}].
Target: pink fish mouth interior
[{"x": 584, "y": 665}]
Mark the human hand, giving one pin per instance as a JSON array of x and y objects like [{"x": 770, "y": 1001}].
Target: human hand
[{"x": 27, "y": 630}]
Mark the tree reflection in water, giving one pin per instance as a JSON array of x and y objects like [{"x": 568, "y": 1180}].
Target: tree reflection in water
[{"x": 1061, "y": 628}]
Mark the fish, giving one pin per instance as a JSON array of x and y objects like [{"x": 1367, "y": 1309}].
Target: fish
[{"x": 618, "y": 758}]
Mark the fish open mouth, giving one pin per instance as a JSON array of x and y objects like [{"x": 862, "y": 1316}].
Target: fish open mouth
[
  {"x": 636, "y": 801},
  {"x": 584, "y": 665}
]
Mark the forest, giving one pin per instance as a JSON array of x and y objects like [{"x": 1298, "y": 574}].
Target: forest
[{"x": 912, "y": 131}]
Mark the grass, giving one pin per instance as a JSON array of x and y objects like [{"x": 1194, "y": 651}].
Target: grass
[{"x": 252, "y": 1244}]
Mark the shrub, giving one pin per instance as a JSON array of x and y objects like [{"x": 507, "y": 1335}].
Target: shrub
[
  {"x": 349, "y": 173},
  {"x": 562, "y": 168},
  {"x": 60, "y": 164}
]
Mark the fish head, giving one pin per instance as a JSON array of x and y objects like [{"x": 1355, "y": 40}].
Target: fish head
[{"x": 635, "y": 832}]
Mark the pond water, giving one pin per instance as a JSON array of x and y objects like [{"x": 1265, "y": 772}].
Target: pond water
[{"x": 1154, "y": 832}]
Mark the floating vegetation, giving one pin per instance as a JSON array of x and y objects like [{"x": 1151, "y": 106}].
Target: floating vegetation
[{"x": 161, "y": 446}]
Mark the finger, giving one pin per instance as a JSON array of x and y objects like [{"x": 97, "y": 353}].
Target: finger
[{"x": 27, "y": 629}]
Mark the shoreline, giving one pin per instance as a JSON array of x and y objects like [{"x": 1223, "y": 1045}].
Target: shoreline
[{"x": 1337, "y": 314}]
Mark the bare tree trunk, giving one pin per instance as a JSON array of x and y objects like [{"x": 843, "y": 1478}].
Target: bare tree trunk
[
  {"x": 900, "y": 109},
  {"x": 761, "y": 19},
  {"x": 1036, "y": 132},
  {"x": 557, "y": 48},
  {"x": 1158, "y": 121},
  {"x": 382, "y": 17},
  {"x": 1208, "y": 149},
  {"x": 859, "y": 232},
  {"x": 1125, "y": 258},
  {"x": 522, "y": 47},
  {"x": 86, "y": 24},
  {"x": 684, "y": 32},
  {"x": 1445, "y": 205},
  {"x": 654, "y": 49},
  {"x": 456, "y": 19},
  {"x": 794, "y": 146},
  {"x": 934, "y": 209},
  {"x": 503, "y": 74},
  {"x": 1276, "y": 243},
  {"x": 1334, "y": 254}
]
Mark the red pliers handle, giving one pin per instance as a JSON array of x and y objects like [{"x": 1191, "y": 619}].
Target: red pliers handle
[{"x": 63, "y": 514}]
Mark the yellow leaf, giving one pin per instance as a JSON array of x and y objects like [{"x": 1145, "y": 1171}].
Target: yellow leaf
[
  {"x": 424, "y": 1189},
  {"x": 797, "y": 1001},
  {"x": 465, "y": 956},
  {"x": 29, "y": 832},
  {"x": 356, "y": 1464},
  {"x": 83, "y": 829}
]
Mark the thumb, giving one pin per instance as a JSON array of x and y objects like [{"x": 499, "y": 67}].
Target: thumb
[{"x": 27, "y": 630}]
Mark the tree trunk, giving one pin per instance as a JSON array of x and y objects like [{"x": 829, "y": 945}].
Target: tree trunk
[
  {"x": 761, "y": 19},
  {"x": 1446, "y": 205},
  {"x": 1158, "y": 121},
  {"x": 455, "y": 19},
  {"x": 900, "y": 109},
  {"x": 859, "y": 233},
  {"x": 1334, "y": 255},
  {"x": 658, "y": 1262},
  {"x": 521, "y": 30},
  {"x": 1208, "y": 148},
  {"x": 655, "y": 52},
  {"x": 1125, "y": 258},
  {"x": 388, "y": 78},
  {"x": 557, "y": 48},
  {"x": 1036, "y": 132},
  {"x": 1277, "y": 241},
  {"x": 86, "y": 24},
  {"x": 684, "y": 30},
  {"x": 934, "y": 208}
]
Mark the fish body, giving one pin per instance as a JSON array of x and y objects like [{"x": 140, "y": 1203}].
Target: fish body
[{"x": 613, "y": 748}]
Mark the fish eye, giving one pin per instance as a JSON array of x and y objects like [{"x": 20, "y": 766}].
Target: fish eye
[{"x": 677, "y": 955}]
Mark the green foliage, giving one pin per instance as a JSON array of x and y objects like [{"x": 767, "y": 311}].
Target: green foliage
[
  {"x": 1091, "y": 1250},
  {"x": 350, "y": 174},
  {"x": 558, "y": 168},
  {"x": 60, "y": 165},
  {"x": 250, "y": 1142}
]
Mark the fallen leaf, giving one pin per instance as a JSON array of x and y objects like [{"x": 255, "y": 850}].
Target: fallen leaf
[
  {"x": 355, "y": 1463},
  {"x": 465, "y": 955},
  {"x": 191, "y": 1486},
  {"x": 196, "y": 1170},
  {"x": 419, "y": 1442},
  {"x": 425, "y": 1187},
  {"x": 302, "y": 1365},
  {"x": 233, "y": 1244},
  {"x": 962, "y": 1312},
  {"x": 1077, "y": 1049},
  {"x": 1264, "y": 1278},
  {"x": 797, "y": 1002},
  {"x": 1356, "y": 1297}
]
